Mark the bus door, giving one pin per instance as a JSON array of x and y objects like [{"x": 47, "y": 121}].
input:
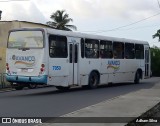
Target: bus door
[
  {"x": 147, "y": 62},
  {"x": 73, "y": 61}
]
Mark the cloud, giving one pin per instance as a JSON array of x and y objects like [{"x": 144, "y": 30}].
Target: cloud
[
  {"x": 111, "y": 8},
  {"x": 25, "y": 11},
  {"x": 79, "y": 10},
  {"x": 47, "y": 7},
  {"x": 90, "y": 15}
]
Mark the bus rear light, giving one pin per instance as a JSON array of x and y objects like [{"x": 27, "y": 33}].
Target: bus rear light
[
  {"x": 7, "y": 66},
  {"x": 42, "y": 68},
  {"x": 42, "y": 65}
]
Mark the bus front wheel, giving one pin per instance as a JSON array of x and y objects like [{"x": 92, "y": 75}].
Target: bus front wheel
[{"x": 93, "y": 80}]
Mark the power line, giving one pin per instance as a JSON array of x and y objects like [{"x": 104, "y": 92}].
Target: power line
[
  {"x": 140, "y": 27},
  {"x": 114, "y": 29}
]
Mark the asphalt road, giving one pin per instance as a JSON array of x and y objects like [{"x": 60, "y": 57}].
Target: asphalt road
[{"x": 49, "y": 102}]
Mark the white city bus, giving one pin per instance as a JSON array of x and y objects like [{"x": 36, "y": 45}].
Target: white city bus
[{"x": 64, "y": 59}]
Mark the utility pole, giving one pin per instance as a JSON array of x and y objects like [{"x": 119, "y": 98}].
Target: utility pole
[
  {"x": 158, "y": 3},
  {"x": 0, "y": 14}
]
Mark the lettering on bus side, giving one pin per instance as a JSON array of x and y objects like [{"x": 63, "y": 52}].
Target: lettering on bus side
[
  {"x": 56, "y": 67},
  {"x": 114, "y": 64}
]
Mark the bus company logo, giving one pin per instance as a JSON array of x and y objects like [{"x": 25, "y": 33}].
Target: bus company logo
[
  {"x": 26, "y": 60},
  {"x": 114, "y": 65}
]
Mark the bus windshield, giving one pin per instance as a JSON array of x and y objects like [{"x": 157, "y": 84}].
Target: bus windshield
[{"x": 25, "y": 39}]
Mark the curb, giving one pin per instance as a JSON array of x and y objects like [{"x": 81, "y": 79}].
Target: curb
[{"x": 2, "y": 90}]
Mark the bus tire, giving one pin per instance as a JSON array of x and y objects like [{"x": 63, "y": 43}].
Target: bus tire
[
  {"x": 61, "y": 88},
  {"x": 19, "y": 87},
  {"x": 32, "y": 86},
  {"x": 93, "y": 80},
  {"x": 137, "y": 78}
]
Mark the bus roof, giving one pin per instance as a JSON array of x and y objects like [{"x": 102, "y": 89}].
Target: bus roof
[{"x": 84, "y": 35}]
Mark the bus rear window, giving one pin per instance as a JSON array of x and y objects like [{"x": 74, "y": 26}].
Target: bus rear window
[{"x": 25, "y": 39}]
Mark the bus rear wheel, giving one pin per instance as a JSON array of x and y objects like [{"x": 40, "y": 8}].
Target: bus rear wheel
[
  {"x": 93, "y": 80},
  {"x": 137, "y": 78}
]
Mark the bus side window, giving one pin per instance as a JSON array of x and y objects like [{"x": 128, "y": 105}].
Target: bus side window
[
  {"x": 57, "y": 46},
  {"x": 118, "y": 50},
  {"x": 139, "y": 50},
  {"x": 82, "y": 48},
  {"x": 106, "y": 49},
  {"x": 129, "y": 51},
  {"x": 91, "y": 48}
]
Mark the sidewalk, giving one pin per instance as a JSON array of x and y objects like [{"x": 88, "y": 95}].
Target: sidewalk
[
  {"x": 133, "y": 104},
  {"x": 5, "y": 89}
]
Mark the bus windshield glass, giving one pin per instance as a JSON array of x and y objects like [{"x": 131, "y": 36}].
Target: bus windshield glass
[{"x": 25, "y": 39}]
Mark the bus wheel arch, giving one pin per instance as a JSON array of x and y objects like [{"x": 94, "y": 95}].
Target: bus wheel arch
[
  {"x": 138, "y": 76},
  {"x": 93, "y": 80}
]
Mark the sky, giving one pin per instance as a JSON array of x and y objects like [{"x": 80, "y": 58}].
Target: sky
[{"x": 101, "y": 17}]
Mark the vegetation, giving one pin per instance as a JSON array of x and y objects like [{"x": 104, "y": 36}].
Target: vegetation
[
  {"x": 155, "y": 57},
  {"x": 155, "y": 61},
  {"x": 157, "y": 35},
  {"x": 61, "y": 21}
]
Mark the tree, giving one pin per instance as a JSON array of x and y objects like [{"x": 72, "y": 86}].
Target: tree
[
  {"x": 157, "y": 34},
  {"x": 61, "y": 21},
  {"x": 155, "y": 61}
]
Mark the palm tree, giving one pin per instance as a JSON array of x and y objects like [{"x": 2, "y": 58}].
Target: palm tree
[
  {"x": 61, "y": 21},
  {"x": 157, "y": 34}
]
